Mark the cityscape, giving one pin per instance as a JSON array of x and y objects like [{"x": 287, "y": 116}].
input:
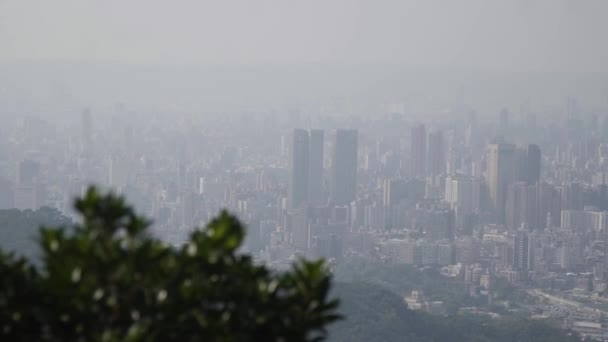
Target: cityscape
[
  {"x": 271, "y": 170},
  {"x": 487, "y": 202}
]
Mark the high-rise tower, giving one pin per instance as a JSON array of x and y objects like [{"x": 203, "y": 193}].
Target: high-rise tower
[
  {"x": 344, "y": 167},
  {"x": 297, "y": 193},
  {"x": 436, "y": 154},
  {"x": 315, "y": 166},
  {"x": 500, "y": 173},
  {"x": 521, "y": 250},
  {"x": 418, "y": 151}
]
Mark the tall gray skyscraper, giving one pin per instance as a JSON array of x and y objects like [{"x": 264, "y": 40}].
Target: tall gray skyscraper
[
  {"x": 418, "y": 151},
  {"x": 344, "y": 167},
  {"x": 521, "y": 251},
  {"x": 297, "y": 192},
  {"x": 500, "y": 173},
  {"x": 315, "y": 169},
  {"x": 436, "y": 153},
  {"x": 521, "y": 206}
]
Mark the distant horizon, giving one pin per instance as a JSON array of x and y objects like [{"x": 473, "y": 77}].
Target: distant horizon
[{"x": 59, "y": 86}]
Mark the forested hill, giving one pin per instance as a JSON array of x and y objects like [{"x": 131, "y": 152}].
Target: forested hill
[
  {"x": 19, "y": 229},
  {"x": 376, "y": 314}
]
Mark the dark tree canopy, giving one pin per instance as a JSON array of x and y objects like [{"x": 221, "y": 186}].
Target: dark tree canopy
[{"x": 108, "y": 280}]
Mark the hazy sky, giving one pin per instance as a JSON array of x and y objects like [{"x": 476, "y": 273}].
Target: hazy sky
[{"x": 505, "y": 35}]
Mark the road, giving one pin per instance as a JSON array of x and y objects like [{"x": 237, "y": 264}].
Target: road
[{"x": 555, "y": 300}]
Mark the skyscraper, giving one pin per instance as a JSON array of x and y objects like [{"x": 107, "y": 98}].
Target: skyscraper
[
  {"x": 521, "y": 206},
  {"x": 548, "y": 205},
  {"x": 521, "y": 252},
  {"x": 463, "y": 195},
  {"x": 300, "y": 228},
  {"x": 344, "y": 167},
  {"x": 315, "y": 170},
  {"x": 436, "y": 153},
  {"x": 520, "y": 165},
  {"x": 500, "y": 172},
  {"x": 297, "y": 192},
  {"x": 418, "y": 151},
  {"x": 392, "y": 192}
]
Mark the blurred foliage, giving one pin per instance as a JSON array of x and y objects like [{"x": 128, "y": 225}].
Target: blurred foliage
[
  {"x": 108, "y": 280},
  {"x": 377, "y": 314}
]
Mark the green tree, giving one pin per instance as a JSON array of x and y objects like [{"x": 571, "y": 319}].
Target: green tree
[{"x": 108, "y": 280}]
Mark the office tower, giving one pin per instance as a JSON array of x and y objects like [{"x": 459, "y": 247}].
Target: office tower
[
  {"x": 297, "y": 192},
  {"x": 418, "y": 151},
  {"x": 520, "y": 164},
  {"x": 393, "y": 192},
  {"x": 463, "y": 194},
  {"x": 521, "y": 206},
  {"x": 500, "y": 172},
  {"x": 533, "y": 164},
  {"x": 532, "y": 209},
  {"x": 436, "y": 153},
  {"x": 548, "y": 205},
  {"x": 300, "y": 228},
  {"x": 315, "y": 161},
  {"x": 344, "y": 167},
  {"x": 514, "y": 203},
  {"x": 520, "y": 251}
]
